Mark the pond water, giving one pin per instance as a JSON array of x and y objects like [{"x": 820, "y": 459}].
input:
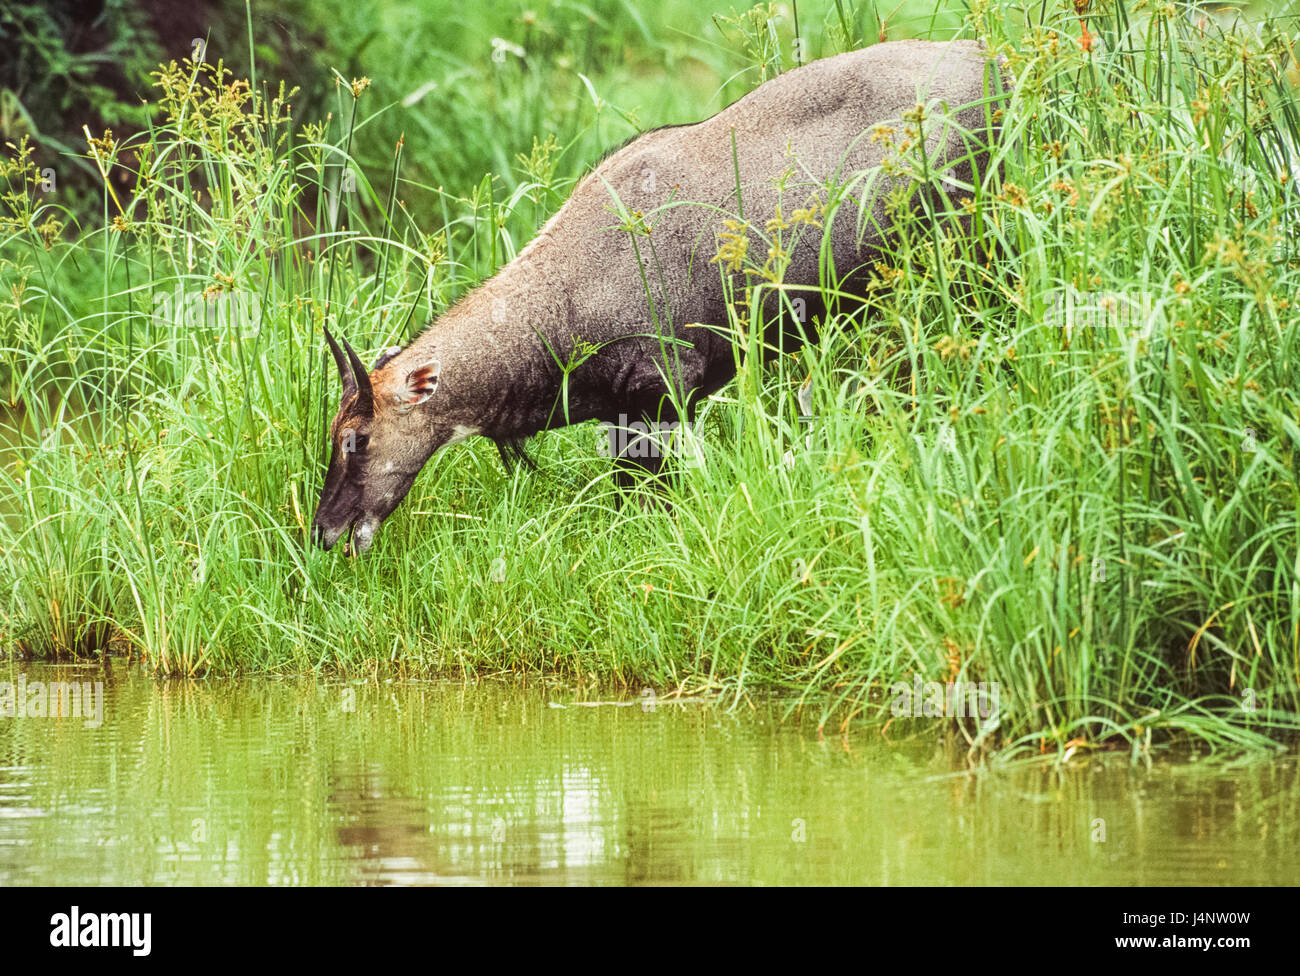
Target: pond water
[{"x": 261, "y": 781}]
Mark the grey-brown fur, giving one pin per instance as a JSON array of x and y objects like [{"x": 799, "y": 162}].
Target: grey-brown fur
[{"x": 489, "y": 363}]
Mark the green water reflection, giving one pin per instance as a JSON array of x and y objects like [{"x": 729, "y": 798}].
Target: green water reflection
[{"x": 312, "y": 782}]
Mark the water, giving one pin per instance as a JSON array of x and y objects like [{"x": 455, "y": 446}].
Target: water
[{"x": 319, "y": 782}]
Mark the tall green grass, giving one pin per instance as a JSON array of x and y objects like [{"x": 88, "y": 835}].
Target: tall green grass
[{"x": 1061, "y": 457}]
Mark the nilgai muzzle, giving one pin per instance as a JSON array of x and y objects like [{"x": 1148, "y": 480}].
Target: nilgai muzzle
[{"x": 616, "y": 311}]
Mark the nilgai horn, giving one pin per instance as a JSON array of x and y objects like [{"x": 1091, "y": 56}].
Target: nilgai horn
[{"x": 618, "y": 308}]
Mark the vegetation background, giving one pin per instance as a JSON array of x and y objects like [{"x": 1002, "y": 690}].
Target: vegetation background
[{"x": 1094, "y": 506}]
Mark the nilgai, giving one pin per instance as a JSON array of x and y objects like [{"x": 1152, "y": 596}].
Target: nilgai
[{"x": 618, "y": 308}]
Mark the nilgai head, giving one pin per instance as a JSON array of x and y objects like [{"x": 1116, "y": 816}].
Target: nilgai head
[{"x": 379, "y": 445}]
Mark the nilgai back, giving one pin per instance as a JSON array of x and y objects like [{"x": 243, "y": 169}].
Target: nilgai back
[{"x": 617, "y": 310}]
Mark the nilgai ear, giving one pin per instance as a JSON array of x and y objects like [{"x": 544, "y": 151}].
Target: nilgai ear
[
  {"x": 421, "y": 383},
  {"x": 385, "y": 356}
]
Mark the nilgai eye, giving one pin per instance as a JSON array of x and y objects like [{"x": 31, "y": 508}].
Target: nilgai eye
[{"x": 350, "y": 442}]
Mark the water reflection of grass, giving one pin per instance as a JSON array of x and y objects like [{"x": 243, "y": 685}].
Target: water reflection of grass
[
  {"x": 1095, "y": 508},
  {"x": 278, "y": 782}
]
